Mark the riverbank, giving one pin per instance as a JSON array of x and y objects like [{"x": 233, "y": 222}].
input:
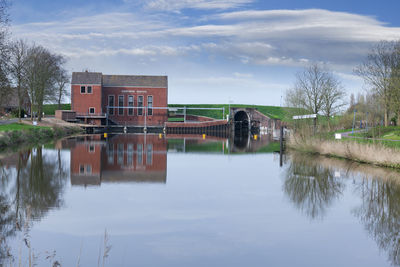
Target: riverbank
[
  {"x": 25, "y": 134},
  {"x": 370, "y": 153}
]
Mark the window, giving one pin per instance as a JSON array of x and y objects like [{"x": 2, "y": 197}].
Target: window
[
  {"x": 140, "y": 154},
  {"x": 121, "y": 104},
  {"x": 83, "y": 90},
  {"x": 149, "y": 153},
  {"x": 89, "y": 89},
  {"x": 81, "y": 169},
  {"x": 88, "y": 168},
  {"x": 120, "y": 154},
  {"x": 91, "y": 110},
  {"x": 150, "y": 105},
  {"x": 140, "y": 105},
  {"x": 129, "y": 155},
  {"x": 110, "y": 153},
  {"x": 91, "y": 148},
  {"x": 130, "y": 104},
  {"x": 111, "y": 105}
]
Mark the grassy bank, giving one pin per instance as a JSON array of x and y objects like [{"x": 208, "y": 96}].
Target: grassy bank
[
  {"x": 50, "y": 109},
  {"x": 364, "y": 152},
  {"x": 19, "y": 127},
  {"x": 23, "y": 135},
  {"x": 270, "y": 111}
]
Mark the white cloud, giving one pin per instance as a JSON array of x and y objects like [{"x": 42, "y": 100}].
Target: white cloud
[
  {"x": 239, "y": 41},
  {"x": 177, "y": 5},
  {"x": 277, "y": 37}
]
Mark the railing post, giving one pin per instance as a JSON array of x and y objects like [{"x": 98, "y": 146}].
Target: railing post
[
  {"x": 145, "y": 119},
  {"x": 107, "y": 117}
]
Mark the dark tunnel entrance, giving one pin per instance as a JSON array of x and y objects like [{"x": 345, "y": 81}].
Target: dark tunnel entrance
[
  {"x": 241, "y": 122},
  {"x": 242, "y": 125}
]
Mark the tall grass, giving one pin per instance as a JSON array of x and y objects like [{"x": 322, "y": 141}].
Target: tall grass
[{"x": 372, "y": 153}]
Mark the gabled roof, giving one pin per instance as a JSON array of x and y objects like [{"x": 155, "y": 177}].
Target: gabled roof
[
  {"x": 86, "y": 77},
  {"x": 135, "y": 81}
]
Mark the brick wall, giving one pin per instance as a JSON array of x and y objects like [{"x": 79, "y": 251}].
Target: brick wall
[
  {"x": 158, "y": 117},
  {"x": 81, "y": 102}
]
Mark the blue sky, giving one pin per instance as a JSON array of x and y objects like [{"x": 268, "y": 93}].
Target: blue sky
[{"x": 213, "y": 51}]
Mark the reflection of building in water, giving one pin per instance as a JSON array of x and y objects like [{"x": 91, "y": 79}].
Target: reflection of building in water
[
  {"x": 121, "y": 158},
  {"x": 16, "y": 160},
  {"x": 250, "y": 143},
  {"x": 210, "y": 144}
]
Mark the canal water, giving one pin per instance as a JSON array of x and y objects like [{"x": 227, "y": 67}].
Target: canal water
[{"x": 147, "y": 200}]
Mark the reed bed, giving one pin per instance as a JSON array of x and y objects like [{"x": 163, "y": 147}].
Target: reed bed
[{"x": 372, "y": 153}]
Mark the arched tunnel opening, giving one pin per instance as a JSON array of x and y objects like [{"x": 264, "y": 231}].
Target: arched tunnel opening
[
  {"x": 241, "y": 121},
  {"x": 242, "y": 124}
]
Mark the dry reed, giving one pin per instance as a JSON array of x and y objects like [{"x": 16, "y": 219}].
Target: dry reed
[{"x": 371, "y": 153}]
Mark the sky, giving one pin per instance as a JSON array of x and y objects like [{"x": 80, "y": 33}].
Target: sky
[{"x": 213, "y": 51}]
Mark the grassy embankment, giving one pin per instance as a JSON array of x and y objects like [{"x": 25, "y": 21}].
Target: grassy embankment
[
  {"x": 270, "y": 111},
  {"x": 374, "y": 148},
  {"x": 21, "y": 134},
  {"x": 50, "y": 109}
]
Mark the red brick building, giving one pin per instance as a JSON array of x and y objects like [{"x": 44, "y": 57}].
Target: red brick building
[{"x": 120, "y": 99}]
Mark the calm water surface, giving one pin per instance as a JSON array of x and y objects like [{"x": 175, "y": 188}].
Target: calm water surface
[{"x": 193, "y": 202}]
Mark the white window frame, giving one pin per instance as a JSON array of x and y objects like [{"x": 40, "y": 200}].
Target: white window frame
[
  {"x": 142, "y": 107},
  {"x": 123, "y": 103},
  {"x": 133, "y": 105},
  {"x": 152, "y": 105},
  {"x": 80, "y": 88},
  {"x": 91, "y": 89}
]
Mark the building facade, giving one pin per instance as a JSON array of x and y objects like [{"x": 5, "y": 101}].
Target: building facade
[{"x": 119, "y": 99}]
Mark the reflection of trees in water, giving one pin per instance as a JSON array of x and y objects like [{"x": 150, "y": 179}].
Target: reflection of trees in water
[
  {"x": 380, "y": 214},
  {"x": 311, "y": 187},
  {"x": 32, "y": 188}
]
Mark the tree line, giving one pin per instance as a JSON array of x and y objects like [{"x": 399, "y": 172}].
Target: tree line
[
  {"x": 318, "y": 90},
  {"x": 28, "y": 70}
]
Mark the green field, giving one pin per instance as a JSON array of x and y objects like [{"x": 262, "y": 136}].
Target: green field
[
  {"x": 50, "y": 109},
  {"x": 19, "y": 126},
  {"x": 270, "y": 111}
]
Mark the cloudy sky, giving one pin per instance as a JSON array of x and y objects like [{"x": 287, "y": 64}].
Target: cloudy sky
[{"x": 213, "y": 51}]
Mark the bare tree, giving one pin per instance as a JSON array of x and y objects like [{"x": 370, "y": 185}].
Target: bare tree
[
  {"x": 4, "y": 81},
  {"x": 308, "y": 90},
  {"x": 395, "y": 81},
  {"x": 18, "y": 52},
  {"x": 40, "y": 72},
  {"x": 316, "y": 91},
  {"x": 333, "y": 96},
  {"x": 377, "y": 72},
  {"x": 61, "y": 80}
]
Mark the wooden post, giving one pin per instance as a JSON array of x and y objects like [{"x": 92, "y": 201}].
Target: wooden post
[{"x": 281, "y": 147}]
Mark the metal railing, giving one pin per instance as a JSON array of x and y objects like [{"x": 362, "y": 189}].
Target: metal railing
[{"x": 145, "y": 110}]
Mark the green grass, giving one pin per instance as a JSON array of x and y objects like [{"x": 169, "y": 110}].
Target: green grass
[
  {"x": 19, "y": 127},
  {"x": 175, "y": 119},
  {"x": 272, "y": 147},
  {"x": 392, "y": 136},
  {"x": 270, "y": 111},
  {"x": 50, "y": 109}
]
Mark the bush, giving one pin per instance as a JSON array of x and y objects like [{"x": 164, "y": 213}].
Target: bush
[{"x": 15, "y": 113}]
